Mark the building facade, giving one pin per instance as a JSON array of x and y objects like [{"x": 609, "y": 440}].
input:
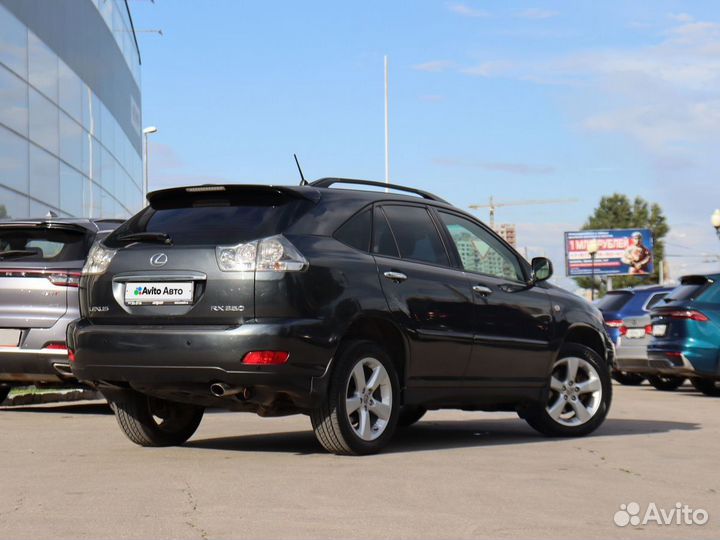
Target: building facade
[
  {"x": 70, "y": 120},
  {"x": 507, "y": 232}
]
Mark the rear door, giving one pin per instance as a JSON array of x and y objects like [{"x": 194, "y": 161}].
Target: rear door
[
  {"x": 512, "y": 321},
  {"x": 179, "y": 281},
  {"x": 39, "y": 267},
  {"x": 428, "y": 298}
]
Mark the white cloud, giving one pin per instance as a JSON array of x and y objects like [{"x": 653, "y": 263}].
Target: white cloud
[
  {"x": 680, "y": 17},
  {"x": 523, "y": 169},
  {"x": 534, "y": 13},
  {"x": 434, "y": 66},
  {"x": 489, "y": 69},
  {"x": 467, "y": 11}
]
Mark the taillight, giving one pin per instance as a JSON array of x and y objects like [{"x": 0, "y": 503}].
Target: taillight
[
  {"x": 266, "y": 357},
  {"x": 65, "y": 279},
  {"x": 71, "y": 355},
  {"x": 274, "y": 254},
  {"x": 57, "y": 346},
  {"x": 649, "y": 330},
  {"x": 686, "y": 314},
  {"x": 617, "y": 324}
]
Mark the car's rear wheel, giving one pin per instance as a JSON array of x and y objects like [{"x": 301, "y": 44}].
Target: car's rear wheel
[
  {"x": 4, "y": 391},
  {"x": 580, "y": 392},
  {"x": 628, "y": 379},
  {"x": 360, "y": 413},
  {"x": 410, "y": 414},
  {"x": 709, "y": 387},
  {"x": 666, "y": 383},
  {"x": 150, "y": 421}
]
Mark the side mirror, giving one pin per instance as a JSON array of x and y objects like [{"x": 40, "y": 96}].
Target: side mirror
[{"x": 542, "y": 269}]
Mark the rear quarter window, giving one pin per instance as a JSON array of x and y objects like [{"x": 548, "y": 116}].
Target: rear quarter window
[
  {"x": 614, "y": 301},
  {"x": 356, "y": 231}
]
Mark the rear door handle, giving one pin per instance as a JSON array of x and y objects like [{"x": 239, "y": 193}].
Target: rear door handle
[
  {"x": 482, "y": 289},
  {"x": 395, "y": 276}
]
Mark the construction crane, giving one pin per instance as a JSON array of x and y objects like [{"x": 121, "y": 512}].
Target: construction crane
[{"x": 494, "y": 205}]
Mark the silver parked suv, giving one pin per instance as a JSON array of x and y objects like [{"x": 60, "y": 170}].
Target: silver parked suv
[{"x": 40, "y": 265}]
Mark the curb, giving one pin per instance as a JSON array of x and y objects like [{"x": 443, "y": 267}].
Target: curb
[{"x": 51, "y": 397}]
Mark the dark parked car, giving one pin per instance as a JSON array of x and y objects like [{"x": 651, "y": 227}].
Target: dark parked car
[
  {"x": 40, "y": 265},
  {"x": 627, "y": 318},
  {"x": 360, "y": 308},
  {"x": 686, "y": 333}
]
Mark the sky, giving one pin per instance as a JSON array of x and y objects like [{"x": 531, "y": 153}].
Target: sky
[{"x": 505, "y": 98}]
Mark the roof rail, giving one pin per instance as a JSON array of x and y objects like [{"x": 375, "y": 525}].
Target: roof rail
[{"x": 327, "y": 182}]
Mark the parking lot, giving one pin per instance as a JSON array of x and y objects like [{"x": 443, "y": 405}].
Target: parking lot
[{"x": 69, "y": 472}]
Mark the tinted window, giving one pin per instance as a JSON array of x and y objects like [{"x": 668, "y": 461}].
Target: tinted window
[
  {"x": 711, "y": 295},
  {"x": 687, "y": 290},
  {"x": 356, "y": 231},
  {"x": 480, "y": 251},
  {"x": 416, "y": 235},
  {"x": 48, "y": 245},
  {"x": 211, "y": 219},
  {"x": 383, "y": 239},
  {"x": 614, "y": 300},
  {"x": 654, "y": 299}
]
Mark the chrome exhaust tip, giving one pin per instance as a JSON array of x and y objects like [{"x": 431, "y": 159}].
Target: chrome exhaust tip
[{"x": 225, "y": 390}]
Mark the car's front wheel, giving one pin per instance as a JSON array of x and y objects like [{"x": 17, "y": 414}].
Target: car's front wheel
[
  {"x": 628, "y": 379},
  {"x": 150, "y": 421},
  {"x": 666, "y": 383},
  {"x": 709, "y": 387},
  {"x": 360, "y": 412},
  {"x": 580, "y": 392}
]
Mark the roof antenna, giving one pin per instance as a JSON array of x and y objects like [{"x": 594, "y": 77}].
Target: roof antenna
[{"x": 303, "y": 182}]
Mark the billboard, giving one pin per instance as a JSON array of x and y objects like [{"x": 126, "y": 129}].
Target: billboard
[{"x": 619, "y": 252}]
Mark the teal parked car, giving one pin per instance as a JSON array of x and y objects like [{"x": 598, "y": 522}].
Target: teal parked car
[{"x": 686, "y": 333}]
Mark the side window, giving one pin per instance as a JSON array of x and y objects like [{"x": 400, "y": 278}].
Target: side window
[
  {"x": 479, "y": 251},
  {"x": 654, "y": 300},
  {"x": 416, "y": 234},
  {"x": 356, "y": 231},
  {"x": 383, "y": 240}
]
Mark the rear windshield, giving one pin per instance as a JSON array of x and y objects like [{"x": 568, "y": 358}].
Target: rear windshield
[
  {"x": 688, "y": 289},
  {"x": 212, "y": 219},
  {"x": 42, "y": 245},
  {"x": 614, "y": 301}
]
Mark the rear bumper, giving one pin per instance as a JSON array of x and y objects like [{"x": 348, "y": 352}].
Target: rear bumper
[
  {"x": 19, "y": 365},
  {"x": 677, "y": 358},
  {"x": 186, "y": 360}
]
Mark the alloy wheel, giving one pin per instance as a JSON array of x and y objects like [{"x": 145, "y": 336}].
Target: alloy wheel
[
  {"x": 368, "y": 399},
  {"x": 575, "y": 392}
]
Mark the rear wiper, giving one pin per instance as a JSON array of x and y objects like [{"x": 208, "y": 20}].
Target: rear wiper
[
  {"x": 150, "y": 237},
  {"x": 17, "y": 253}
]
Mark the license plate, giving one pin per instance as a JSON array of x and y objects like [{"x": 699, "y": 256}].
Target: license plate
[
  {"x": 158, "y": 293},
  {"x": 635, "y": 333},
  {"x": 9, "y": 338},
  {"x": 659, "y": 330}
]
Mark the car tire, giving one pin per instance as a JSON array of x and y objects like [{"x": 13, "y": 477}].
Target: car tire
[
  {"x": 709, "y": 387},
  {"x": 628, "y": 379},
  {"x": 150, "y": 421},
  {"x": 361, "y": 430},
  {"x": 4, "y": 391},
  {"x": 410, "y": 414},
  {"x": 666, "y": 383},
  {"x": 574, "y": 408}
]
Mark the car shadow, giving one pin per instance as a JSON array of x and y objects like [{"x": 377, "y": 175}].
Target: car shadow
[
  {"x": 436, "y": 435},
  {"x": 79, "y": 407}
]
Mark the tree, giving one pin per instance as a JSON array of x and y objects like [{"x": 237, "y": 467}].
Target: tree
[
  {"x": 618, "y": 212},
  {"x": 3, "y": 211}
]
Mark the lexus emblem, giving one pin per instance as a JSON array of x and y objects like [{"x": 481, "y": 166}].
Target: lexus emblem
[{"x": 159, "y": 259}]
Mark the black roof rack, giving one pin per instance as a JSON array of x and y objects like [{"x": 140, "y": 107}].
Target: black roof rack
[{"x": 327, "y": 182}]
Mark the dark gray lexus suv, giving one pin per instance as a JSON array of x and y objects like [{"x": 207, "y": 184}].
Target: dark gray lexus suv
[{"x": 360, "y": 308}]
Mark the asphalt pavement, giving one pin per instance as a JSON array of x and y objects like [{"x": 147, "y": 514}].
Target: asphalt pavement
[{"x": 68, "y": 472}]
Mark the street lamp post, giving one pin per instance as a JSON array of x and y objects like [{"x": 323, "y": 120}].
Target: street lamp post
[
  {"x": 715, "y": 220},
  {"x": 147, "y": 132},
  {"x": 592, "y": 249}
]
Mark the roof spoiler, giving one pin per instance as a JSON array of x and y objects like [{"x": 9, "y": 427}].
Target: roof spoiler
[{"x": 234, "y": 190}]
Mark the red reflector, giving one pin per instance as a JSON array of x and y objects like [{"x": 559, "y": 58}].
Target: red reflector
[
  {"x": 614, "y": 324},
  {"x": 71, "y": 355},
  {"x": 674, "y": 354},
  {"x": 56, "y": 346},
  {"x": 689, "y": 314},
  {"x": 266, "y": 357},
  {"x": 648, "y": 329}
]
